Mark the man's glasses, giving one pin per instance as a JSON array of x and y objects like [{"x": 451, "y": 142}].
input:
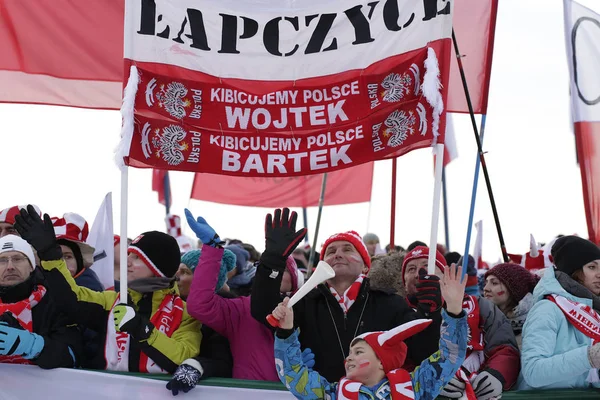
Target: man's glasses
[{"x": 16, "y": 261}]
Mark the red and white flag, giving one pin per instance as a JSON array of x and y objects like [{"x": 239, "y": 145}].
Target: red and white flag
[
  {"x": 350, "y": 185},
  {"x": 62, "y": 52},
  {"x": 474, "y": 28},
  {"x": 238, "y": 88},
  {"x": 582, "y": 33},
  {"x": 161, "y": 185}
]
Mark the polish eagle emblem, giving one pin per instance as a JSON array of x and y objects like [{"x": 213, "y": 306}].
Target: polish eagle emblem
[{"x": 168, "y": 144}]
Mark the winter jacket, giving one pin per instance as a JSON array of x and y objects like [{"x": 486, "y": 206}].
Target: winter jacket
[
  {"x": 88, "y": 279},
  {"x": 62, "y": 339},
  {"x": 427, "y": 379},
  {"x": 215, "y": 355},
  {"x": 501, "y": 349},
  {"x": 518, "y": 315},
  {"x": 325, "y": 328},
  {"x": 251, "y": 342},
  {"x": 91, "y": 309},
  {"x": 555, "y": 353}
]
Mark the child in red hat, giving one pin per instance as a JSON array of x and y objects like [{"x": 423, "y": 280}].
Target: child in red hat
[{"x": 374, "y": 364}]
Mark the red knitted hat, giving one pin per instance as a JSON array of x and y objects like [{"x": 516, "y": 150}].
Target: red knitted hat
[
  {"x": 389, "y": 345},
  {"x": 356, "y": 240},
  {"x": 518, "y": 280},
  {"x": 422, "y": 252}
]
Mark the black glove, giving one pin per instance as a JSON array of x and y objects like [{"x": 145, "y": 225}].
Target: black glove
[
  {"x": 281, "y": 237},
  {"x": 39, "y": 234},
  {"x": 186, "y": 377},
  {"x": 429, "y": 294},
  {"x": 126, "y": 319}
]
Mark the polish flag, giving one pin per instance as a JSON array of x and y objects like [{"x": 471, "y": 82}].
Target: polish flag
[{"x": 582, "y": 34}]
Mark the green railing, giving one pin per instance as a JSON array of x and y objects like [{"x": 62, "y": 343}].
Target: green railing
[{"x": 512, "y": 395}]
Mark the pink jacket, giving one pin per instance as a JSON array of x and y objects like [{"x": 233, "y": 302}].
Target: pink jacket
[{"x": 251, "y": 342}]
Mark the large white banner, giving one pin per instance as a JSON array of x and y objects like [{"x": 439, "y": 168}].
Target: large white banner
[{"x": 30, "y": 382}]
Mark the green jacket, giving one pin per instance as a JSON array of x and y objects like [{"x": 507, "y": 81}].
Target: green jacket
[{"x": 91, "y": 309}]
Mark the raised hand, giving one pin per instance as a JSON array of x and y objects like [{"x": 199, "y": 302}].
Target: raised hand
[
  {"x": 429, "y": 294},
  {"x": 281, "y": 237},
  {"x": 203, "y": 230},
  {"x": 38, "y": 233},
  {"x": 453, "y": 288},
  {"x": 284, "y": 315}
]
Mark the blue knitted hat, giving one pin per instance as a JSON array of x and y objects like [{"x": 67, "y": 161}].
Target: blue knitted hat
[{"x": 191, "y": 258}]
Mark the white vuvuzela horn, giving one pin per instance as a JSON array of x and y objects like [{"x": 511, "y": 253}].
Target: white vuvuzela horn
[{"x": 322, "y": 273}]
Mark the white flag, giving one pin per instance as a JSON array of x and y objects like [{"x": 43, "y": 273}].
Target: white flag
[
  {"x": 102, "y": 238},
  {"x": 478, "y": 245}
]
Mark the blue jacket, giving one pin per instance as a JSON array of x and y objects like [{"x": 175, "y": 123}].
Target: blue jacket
[
  {"x": 427, "y": 379},
  {"x": 555, "y": 353}
]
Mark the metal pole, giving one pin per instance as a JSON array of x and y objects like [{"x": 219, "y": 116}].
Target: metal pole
[
  {"x": 393, "y": 210},
  {"x": 480, "y": 151},
  {"x": 445, "y": 204},
  {"x": 305, "y": 218},
  {"x": 311, "y": 259},
  {"x": 123, "y": 247}
]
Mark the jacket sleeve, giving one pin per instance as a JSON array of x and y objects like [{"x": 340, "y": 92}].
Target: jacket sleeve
[
  {"x": 265, "y": 290},
  {"x": 436, "y": 371},
  {"x": 301, "y": 381},
  {"x": 501, "y": 349},
  {"x": 170, "y": 352},
  {"x": 215, "y": 355},
  {"x": 204, "y": 304},
  {"x": 63, "y": 345},
  {"x": 425, "y": 343},
  {"x": 84, "y": 306},
  {"x": 541, "y": 367}
]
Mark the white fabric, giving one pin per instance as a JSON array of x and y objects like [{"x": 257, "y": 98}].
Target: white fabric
[
  {"x": 30, "y": 382},
  {"x": 253, "y": 60},
  {"x": 582, "y": 35},
  {"x": 102, "y": 239}
]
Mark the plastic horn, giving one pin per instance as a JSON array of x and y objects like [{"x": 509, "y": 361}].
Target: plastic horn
[{"x": 322, "y": 273}]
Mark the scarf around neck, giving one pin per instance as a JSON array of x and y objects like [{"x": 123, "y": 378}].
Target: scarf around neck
[{"x": 350, "y": 295}]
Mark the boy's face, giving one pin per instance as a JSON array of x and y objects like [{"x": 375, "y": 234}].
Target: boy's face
[{"x": 362, "y": 364}]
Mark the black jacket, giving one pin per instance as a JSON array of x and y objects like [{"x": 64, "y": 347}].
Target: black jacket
[
  {"x": 328, "y": 332},
  {"x": 58, "y": 332}
]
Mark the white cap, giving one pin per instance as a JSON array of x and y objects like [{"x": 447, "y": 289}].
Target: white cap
[{"x": 15, "y": 243}]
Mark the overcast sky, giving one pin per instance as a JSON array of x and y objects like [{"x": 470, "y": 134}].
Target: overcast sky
[{"x": 62, "y": 159}]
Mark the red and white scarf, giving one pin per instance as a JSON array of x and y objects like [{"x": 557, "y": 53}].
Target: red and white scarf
[
  {"x": 349, "y": 297},
  {"x": 584, "y": 318},
  {"x": 116, "y": 350},
  {"x": 22, "y": 312},
  {"x": 399, "y": 381},
  {"x": 475, "y": 346}
]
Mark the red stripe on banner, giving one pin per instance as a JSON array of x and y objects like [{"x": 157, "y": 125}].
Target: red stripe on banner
[
  {"x": 588, "y": 152},
  {"x": 54, "y": 47},
  {"x": 474, "y": 24},
  {"x": 351, "y": 185}
]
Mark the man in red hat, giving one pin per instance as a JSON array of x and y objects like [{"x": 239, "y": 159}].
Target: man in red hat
[
  {"x": 335, "y": 312},
  {"x": 492, "y": 364},
  {"x": 373, "y": 367}
]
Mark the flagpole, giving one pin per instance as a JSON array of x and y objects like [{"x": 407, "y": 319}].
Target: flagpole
[
  {"x": 314, "y": 246},
  {"x": 305, "y": 218},
  {"x": 123, "y": 231},
  {"x": 393, "y": 209},
  {"x": 435, "y": 213},
  {"x": 481, "y": 157},
  {"x": 445, "y": 205},
  {"x": 473, "y": 196}
]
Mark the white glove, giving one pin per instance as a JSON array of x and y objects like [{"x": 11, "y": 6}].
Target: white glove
[
  {"x": 454, "y": 389},
  {"x": 487, "y": 386}
]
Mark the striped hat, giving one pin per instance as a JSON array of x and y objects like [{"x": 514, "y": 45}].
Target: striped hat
[
  {"x": 158, "y": 251},
  {"x": 74, "y": 228},
  {"x": 355, "y": 239},
  {"x": 8, "y": 214}
]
